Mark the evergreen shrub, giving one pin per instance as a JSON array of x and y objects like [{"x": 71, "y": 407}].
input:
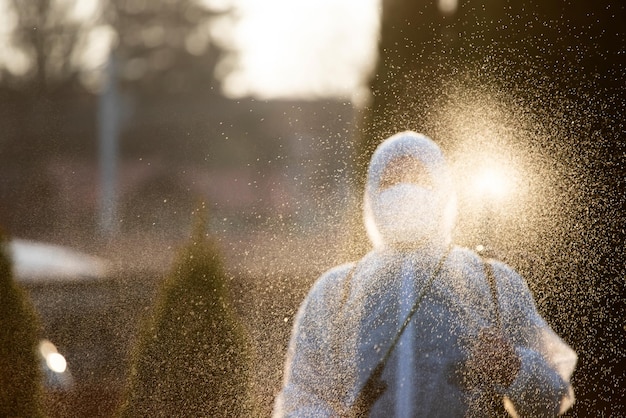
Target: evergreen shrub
[
  {"x": 192, "y": 357},
  {"x": 21, "y": 389}
]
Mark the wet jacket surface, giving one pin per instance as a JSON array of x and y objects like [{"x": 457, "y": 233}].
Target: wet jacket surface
[{"x": 349, "y": 318}]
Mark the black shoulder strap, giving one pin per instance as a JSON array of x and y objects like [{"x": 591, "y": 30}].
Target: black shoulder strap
[
  {"x": 497, "y": 405},
  {"x": 491, "y": 279}
]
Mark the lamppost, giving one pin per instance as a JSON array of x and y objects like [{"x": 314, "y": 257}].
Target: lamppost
[{"x": 108, "y": 132}]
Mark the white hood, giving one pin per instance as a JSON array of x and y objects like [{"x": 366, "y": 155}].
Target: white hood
[{"x": 409, "y": 215}]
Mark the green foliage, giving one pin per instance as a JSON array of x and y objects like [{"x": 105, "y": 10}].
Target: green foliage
[
  {"x": 21, "y": 389},
  {"x": 192, "y": 358}
]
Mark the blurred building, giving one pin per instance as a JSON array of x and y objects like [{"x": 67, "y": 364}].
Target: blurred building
[{"x": 248, "y": 160}]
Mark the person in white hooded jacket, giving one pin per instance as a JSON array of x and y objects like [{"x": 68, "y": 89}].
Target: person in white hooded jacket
[{"x": 420, "y": 327}]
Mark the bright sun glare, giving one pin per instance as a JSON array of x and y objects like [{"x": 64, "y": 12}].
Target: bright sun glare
[
  {"x": 493, "y": 179},
  {"x": 303, "y": 49},
  {"x": 288, "y": 49},
  {"x": 492, "y": 182}
]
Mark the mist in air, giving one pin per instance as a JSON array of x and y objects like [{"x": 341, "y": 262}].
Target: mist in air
[{"x": 124, "y": 123}]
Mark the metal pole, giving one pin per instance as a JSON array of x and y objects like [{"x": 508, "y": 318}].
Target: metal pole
[{"x": 108, "y": 132}]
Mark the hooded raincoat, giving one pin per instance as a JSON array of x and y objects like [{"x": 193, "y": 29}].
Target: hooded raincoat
[{"x": 346, "y": 324}]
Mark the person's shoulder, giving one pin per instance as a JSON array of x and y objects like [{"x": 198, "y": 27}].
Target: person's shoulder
[
  {"x": 326, "y": 291},
  {"x": 510, "y": 283},
  {"x": 332, "y": 278},
  {"x": 458, "y": 252},
  {"x": 465, "y": 259},
  {"x": 466, "y": 255}
]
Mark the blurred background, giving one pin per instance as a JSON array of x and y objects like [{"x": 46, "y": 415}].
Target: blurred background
[{"x": 119, "y": 118}]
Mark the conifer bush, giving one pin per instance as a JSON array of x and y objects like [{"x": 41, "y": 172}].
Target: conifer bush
[
  {"x": 21, "y": 390},
  {"x": 192, "y": 357}
]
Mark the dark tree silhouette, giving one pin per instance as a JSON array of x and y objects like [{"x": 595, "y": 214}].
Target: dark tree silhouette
[
  {"x": 193, "y": 355},
  {"x": 520, "y": 49},
  {"x": 165, "y": 47},
  {"x": 21, "y": 387},
  {"x": 48, "y": 39}
]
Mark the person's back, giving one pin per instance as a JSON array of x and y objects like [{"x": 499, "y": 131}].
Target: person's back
[{"x": 352, "y": 320}]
